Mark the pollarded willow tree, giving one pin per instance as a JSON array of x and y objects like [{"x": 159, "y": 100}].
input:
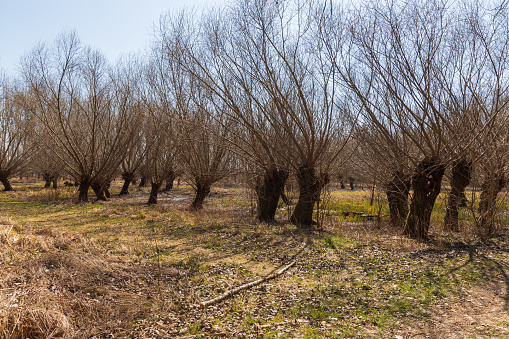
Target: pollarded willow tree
[
  {"x": 128, "y": 81},
  {"x": 46, "y": 164},
  {"x": 69, "y": 88},
  {"x": 200, "y": 131},
  {"x": 265, "y": 69},
  {"x": 416, "y": 70},
  {"x": 162, "y": 130},
  {"x": 16, "y": 125}
]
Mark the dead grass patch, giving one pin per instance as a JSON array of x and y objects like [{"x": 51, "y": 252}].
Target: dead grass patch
[
  {"x": 31, "y": 322},
  {"x": 125, "y": 269}
]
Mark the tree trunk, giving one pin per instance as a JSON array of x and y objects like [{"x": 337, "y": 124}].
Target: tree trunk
[
  {"x": 426, "y": 184},
  {"x": 7, "y": 184},
  {"x": 490, "y": 189},
  {"x": 128, "y": 178},
  {"x": 143, "y": 182},
  {"x": 99, "y": 191},
  {"x": 84, "y": 185},
  {"x": 340, "y": 178},
  {"x": 201, "y": 192},
  {"x": 55, "y": 183},
  {"x": 310, "y": 187},
  {"x": 461, "y": 175},
  {"x": 268, "y": 190},
  {"x": 47, "y": 180},
  {"x": 169, "y": 181},
  {"x": 397, "y": 196},
  {"x": 152, "y": 198}
]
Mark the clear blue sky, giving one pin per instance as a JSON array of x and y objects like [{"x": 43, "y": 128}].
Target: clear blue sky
[{"x": 115, "y": 27}]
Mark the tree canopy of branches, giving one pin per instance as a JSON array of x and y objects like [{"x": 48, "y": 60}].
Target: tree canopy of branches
[
  {"x": 261, "y": 62},
  {"x": 15, "y": 128},
  {"x": 73, "y": 100},
  {"x": 416, "y": 70}
]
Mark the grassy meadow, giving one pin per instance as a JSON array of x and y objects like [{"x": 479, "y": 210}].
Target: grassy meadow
[{"x": 123, "y": 269}]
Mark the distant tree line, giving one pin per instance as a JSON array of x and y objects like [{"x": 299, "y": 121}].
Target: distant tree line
[{"x": 406, "y": 93}]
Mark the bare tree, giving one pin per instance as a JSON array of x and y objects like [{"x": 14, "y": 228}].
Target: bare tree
[
  {"x": 46, "y": 164},
  {"x": 73, "y": 100},
  {"x": 161, "y": 149},
  {"x": 204, "y": 154},
  {"x": 261, "y": 63},
  {"x": 128, "y": 81},
  {"x": 415, "y": 70},
  {"x": 162, "y": 129},
  {"x": 15, "y": 131}
]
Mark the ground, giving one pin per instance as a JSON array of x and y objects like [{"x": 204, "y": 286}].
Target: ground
[{"x": 122, "y": 268}]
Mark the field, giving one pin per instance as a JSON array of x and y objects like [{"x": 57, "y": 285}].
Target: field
[{"x": 122, "y": 268}]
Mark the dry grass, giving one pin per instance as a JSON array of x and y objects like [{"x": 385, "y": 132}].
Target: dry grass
[{"x": 125, "y": 269}]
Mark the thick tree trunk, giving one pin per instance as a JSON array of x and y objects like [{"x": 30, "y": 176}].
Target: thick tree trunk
[
  {"x": 310, "y": 187},
  {"x": 268, "y": 190},
  {"x": 461, "y": 175},
  {"x": 490, "y": 189},
  {"x": 47, "y": 180},
  {"x": 7, "y": 184},
  {"x": 125, "y": 186},
  {"x": 169, "y": 181},
  {"x": 128, "y": 179},
  {"x": 84, "y": 185},
  {"x": 152, "y": 198},
  {"x": 100, "y": 191},
  {"x": 201, "y": 192},
  {"x": 55, "y": 183},
  {"x": 426, "y": 184},
  {"x": 397, "y": 196}
]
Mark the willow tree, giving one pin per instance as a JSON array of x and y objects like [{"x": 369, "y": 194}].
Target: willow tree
[
  {"x": 72, "y": 98},
  {"x": 16, "y": 144},
  {"x": 128, "y": 83},
  {"x": 414, "y": 70},
  {"x": 262, "y": 64}
]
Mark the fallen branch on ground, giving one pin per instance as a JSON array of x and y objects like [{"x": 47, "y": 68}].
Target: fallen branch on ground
[{"x": 236, "y": 290}]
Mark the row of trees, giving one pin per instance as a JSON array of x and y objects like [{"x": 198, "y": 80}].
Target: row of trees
[{"x": 405, "y": 91}]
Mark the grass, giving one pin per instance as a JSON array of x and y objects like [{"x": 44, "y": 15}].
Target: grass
[{"x": 122, "y": 268}]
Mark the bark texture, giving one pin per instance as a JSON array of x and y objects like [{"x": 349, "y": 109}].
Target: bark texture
[
  {"x": 310, "y": 186},
  {"x": 397, "y": 196},
  {"x": 152, "y": 198},
  {"x": 84, "y": 185},
  {"x": 128, "y": 179},
  {"x": 461, "y": 176},
  {"x": 426, "y": 184},
  {"x": 490, "y": 189},
  {"x": 269, "y": 188},
  {"x": 100, "y": 191},
  {"x": 47, "y": 180},
  {"x": 202, "y": 191},
  {"x": 7, "y": 184}
]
